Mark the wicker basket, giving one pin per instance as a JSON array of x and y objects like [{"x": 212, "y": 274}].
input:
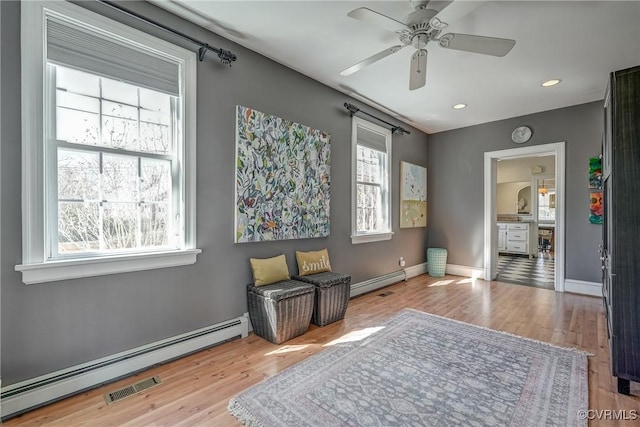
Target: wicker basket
[
  {"x": 280, "y": 311},
  {"x": 332, "y": 296}
]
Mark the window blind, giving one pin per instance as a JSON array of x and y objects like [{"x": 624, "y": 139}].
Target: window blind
[
  {"x": 372, "y": 140},
  {"x": 78, "y": 47}
]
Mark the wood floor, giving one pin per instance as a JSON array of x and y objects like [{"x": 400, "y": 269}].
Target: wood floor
[{"x": 195, "y": 390}]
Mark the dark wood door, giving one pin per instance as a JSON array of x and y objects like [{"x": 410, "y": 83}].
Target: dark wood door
[{"x": 621, "y": 230}]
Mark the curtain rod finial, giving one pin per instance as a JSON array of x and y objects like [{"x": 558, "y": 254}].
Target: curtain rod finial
[
  {"x": 202, "y": 51},
  {"x": 226, "y": 57},
  {"x": 351, "y": 108}
]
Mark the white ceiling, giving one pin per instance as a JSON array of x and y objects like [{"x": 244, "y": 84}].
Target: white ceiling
[{"x": 579, "y": 42}]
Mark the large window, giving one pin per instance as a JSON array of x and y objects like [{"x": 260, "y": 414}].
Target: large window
[
  {"x": 116, "y": 165},
  {"x": 371, "y": 182},
  {"x": 108, "y": 122}
]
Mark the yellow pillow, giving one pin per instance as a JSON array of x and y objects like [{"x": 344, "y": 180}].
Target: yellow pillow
[
  {"x": 269, "y": 270},
  {"x": 313, "y": 262}
]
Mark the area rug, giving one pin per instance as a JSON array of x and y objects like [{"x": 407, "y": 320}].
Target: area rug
[{"x": 419, "y": 369}]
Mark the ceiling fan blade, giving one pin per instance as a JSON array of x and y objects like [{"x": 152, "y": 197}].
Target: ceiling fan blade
[
  {"x": 370, "y": 60},
  {"x": 478, "y": 44},
  {"x": 372, "y": 17},
  {"x": 418, "y": 76},
  {"x": 437, "y": 5}
]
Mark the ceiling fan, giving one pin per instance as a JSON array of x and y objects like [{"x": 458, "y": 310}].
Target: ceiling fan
[{"x": 418, "y": 29}]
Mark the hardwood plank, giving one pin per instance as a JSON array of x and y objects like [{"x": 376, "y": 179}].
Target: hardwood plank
[{"x": 196, "y": 389}]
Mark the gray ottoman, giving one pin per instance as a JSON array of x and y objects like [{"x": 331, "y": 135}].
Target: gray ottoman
[
  {"x": 332, "y": 295},
  {"x": 280, "y": 311}
]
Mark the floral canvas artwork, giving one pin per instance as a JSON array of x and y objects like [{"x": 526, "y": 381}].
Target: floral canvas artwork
[
  {"x": 595, "y": 172},
  {"x": 282, "y": 179},
  {"x": 413, "y": 195},
  {"x": 595, "y": 207}
]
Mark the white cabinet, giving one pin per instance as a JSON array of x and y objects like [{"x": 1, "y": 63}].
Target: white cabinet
[
  {"x": 502, "y": 237},
  {"x": 516, "y": 238}
]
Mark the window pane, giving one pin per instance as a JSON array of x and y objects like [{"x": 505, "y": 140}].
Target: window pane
[
  {"x": 369, "y": 165},
  {"x": 120, "y": 133},
  {"x": 78, "y": 175},
  {"x": 120, "y": 178},
  {"x": 77, "y": 81},
  {"x": 123, "y": 111},
  {"x": 77, "y": 102},
  {"x": 155, "y": 138},
  {"x": 154, "y": 117},
  {"x": 155, "y": 182},
  {"x": 369, "y": 208},
  {"x": 120, "y": 228},
  {"x": 119, "y": 92},
  {"x": 78, "y": 227},
  {"x": 155, "y": 228},
  {"x": 77, "y": 126},
  {"x": 157, "y": 106}
]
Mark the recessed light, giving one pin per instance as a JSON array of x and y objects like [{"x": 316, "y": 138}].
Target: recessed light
[
  {"x": 459, "y": 106},
  {"x": 551, "y": 82}
]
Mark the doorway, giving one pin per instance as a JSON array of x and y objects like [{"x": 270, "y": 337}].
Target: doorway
[
  {"x": 544, "y": 208},
  {"x": 490, "y": 202}
]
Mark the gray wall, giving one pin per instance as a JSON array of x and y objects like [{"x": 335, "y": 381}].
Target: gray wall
[
  {"x": 456, "y": 174},
  {"x": 54, "y": 325}
]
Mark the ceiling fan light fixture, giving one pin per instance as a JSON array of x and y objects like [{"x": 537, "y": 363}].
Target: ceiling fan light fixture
[
  {"x": 551, "y": 82},
  {"x": 438, "y": 24},
  {"x": 459, "y": 106}
]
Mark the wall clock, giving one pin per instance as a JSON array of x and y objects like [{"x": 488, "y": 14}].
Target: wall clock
[{"x": 521, "y": 134}]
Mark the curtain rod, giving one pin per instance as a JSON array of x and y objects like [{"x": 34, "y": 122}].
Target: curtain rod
[
  {"x": 394, "y": 129},
  {"x": 225, "y": 56}
]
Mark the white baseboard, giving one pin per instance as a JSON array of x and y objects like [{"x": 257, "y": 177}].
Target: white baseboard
[
  {"x": 463, "y": 270},
  {"x": 20, "y": 397},
  {"x": 456, "y": 270},
  {"x": 415, "y": 270},
  {"x": 582, "y": 287}
]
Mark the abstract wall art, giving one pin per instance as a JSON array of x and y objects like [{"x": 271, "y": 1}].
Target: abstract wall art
[
  {"x": 595, "y": 207},
  {"x": 595, "y": 172},
  {"x": 282, "y": 179},
  {"x": 413, "y": 195}
]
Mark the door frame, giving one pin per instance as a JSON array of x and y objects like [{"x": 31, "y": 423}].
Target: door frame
[{"x": 491, "y": 158}]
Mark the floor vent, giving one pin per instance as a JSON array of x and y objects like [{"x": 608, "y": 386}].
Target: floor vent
[
  {"x": 125, "y": 392},
  {"x": 385, "y": 294}
]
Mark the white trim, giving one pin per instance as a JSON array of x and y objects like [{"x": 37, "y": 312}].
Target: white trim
[
  {"x": 370, "y": 237},
  {"x": 51, "y": 271},
  {"x": 415, "y": 270},
  {"x": 463, "y": 270},
  {"x": 556, "y": 149},
  {"x": 582, "y": 287},
  {"x": 35, "y": 265},
  {"x": 190, "y": 150},
  {"x": 46, "y": 388},
  {"x": 32, "y": 65}
]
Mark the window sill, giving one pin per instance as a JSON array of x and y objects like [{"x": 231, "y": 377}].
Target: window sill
[
  {"x": 73, "y": 269},
  {"x": 368, "y": 238}
]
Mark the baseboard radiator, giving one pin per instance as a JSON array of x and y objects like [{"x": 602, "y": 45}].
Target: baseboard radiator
[
  {"x": 29, "y": 394},
  {"x": 377, "y": 283}
]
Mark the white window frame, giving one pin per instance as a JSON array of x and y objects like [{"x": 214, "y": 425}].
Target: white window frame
[
  {"x": 36, "y": 267},
  {"x": 367, "y": 237}
]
